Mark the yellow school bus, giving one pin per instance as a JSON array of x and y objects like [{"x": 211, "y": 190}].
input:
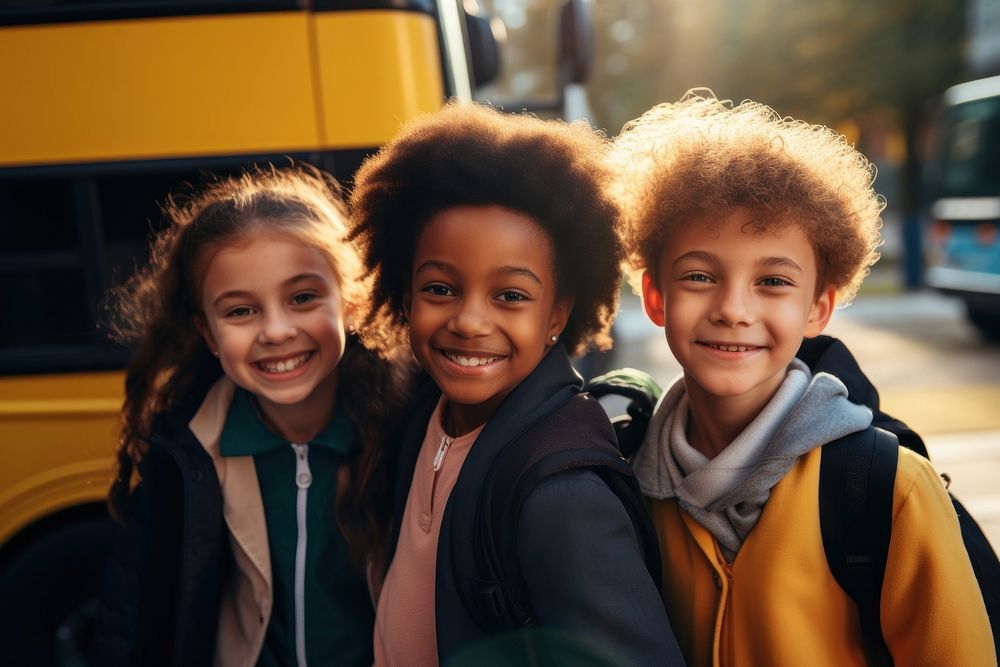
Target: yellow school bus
[{"x": 107, "y": 105}]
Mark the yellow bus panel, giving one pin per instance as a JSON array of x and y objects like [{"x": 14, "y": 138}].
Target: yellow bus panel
[
  {"x": 157, "y": 88},
  {"x": 58, "y": 434},
  {"x": 394, "y": 57}
]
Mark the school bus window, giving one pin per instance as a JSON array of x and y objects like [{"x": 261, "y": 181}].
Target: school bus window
[
  {"x": 41, "y": 272},
  {"x": 37, "y": 216},
  {"x": 38, "y": 11},
  {"x": 70, "y": 239},
  {"x": 130, "y": 214},
  {"x": 43, "y": 308}
]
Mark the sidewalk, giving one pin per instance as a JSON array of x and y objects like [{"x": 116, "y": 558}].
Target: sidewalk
[{"x": 971, "y": 459}]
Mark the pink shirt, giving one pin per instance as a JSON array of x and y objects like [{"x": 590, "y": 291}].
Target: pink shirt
[{"x": 405, "y": 630}]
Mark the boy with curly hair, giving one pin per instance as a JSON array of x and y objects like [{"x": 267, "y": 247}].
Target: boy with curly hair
[{"x": 744, "y": 231}]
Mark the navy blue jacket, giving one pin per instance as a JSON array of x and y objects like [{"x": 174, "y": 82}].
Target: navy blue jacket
[
  {"x": 588, "y": 584},
  {"x": 163, "y": 586}
]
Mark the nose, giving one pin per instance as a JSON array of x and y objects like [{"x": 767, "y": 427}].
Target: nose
[
  {"x": 276, "y": 327},
  {"x": 733, "y": 307},
  {"x": 470, "y": 320}
]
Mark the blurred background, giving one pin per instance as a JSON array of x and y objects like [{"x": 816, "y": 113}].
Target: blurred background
[
  {"x": 925, "y": 325},
  {"x": 108, "y": 105}
]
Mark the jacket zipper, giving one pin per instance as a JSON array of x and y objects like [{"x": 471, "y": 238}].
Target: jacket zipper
[
  {"x": 442, "y": 450},
  {"x": 303, "y": 480},
  {"x": 438, "y": 462}
]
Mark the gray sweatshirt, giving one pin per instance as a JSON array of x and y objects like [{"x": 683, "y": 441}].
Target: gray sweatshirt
[{"x": 727, "y": 494}]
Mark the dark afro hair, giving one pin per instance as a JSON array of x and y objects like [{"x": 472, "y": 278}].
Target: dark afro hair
[{"x": 468, "y": 155}]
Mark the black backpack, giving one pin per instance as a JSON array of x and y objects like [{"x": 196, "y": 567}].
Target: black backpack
[
  {"x": 857, "y": 475},
  {"x": 502, "y": 602}
]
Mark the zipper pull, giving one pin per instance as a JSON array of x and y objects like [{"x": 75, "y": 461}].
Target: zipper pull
[{"x": 442, "y": 450}]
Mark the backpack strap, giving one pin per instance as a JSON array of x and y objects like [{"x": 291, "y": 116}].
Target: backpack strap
[
  {"x": 985, "y": 566},
  {"x": 857, "y": 476},
  {"x": 503, "y": 600},
  {"x": 824, "y": 354},
  {"x": 642, "y": 393}
]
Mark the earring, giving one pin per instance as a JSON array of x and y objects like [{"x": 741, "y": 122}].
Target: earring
[
  {"x": 215, "y": 352},
  {"x": 351, "y": 329},
  {"x": 554, "y": 338}
]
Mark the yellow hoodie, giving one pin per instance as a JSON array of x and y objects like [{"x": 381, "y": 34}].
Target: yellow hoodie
[{"x": 778, "y": 604}]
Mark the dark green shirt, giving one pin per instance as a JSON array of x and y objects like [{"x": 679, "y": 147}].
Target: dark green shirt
[{"x": 337, "y": 608}]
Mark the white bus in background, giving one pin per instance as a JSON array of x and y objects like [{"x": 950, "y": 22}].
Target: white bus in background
[{"x": 964, "y": 182}]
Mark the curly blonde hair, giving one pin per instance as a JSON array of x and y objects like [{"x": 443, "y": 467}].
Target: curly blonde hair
[{"x": 702, "y": 156}]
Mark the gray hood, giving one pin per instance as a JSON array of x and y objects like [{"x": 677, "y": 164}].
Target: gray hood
[{"x": 727, "y": 494}]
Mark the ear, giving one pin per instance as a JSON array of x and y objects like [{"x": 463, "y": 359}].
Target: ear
[
  {"x": 821, "y": 312},
  {"x": 206, "y": 334},
  {"x": 560, "y": 315},
  {"x": 350, "y": 315},
  {"x": 652, "y": 299},
  {"x": 407, "y": 302}
]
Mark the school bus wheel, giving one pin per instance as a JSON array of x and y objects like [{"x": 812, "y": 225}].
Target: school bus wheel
[{"x": 49, "y": 593}]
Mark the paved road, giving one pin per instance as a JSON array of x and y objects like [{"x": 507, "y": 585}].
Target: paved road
[{"x": 932, "y": 371}]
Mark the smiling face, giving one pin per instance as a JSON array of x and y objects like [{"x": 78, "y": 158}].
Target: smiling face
[
  {"x": 736, "y": 305},
  {"x": 273, "y": 314},
  {"x": 482, "y": 306}
]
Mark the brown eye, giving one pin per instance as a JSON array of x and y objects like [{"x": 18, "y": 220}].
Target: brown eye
[
  {"x": 437, "y": 289},
  {"x": 240, "y": 311},
  {"x": 697, "y": 278},
  {"x": 512, "y": 296},
  {"x": 773, "y": 281},
  {"x": 304, "y": 297}
]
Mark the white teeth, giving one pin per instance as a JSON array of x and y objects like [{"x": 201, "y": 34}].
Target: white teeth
[
  {"x": 284, "y": 365},
  {"x": 732, "y": 348},
  {"x": 470, "y": 361}
]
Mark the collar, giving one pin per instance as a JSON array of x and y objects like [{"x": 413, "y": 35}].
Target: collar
[
  {"x": 244, "y": 434},
  {"x": 727, "y": 494}
]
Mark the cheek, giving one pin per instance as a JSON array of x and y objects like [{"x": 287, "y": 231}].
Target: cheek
[
  {"x": 792, "y": 318},
  {"x": 680, "y": 311},
  {"x": 224, "y": 339},
  {"x": 233, "y": 344},
  {"x": 416, "y": 326}
]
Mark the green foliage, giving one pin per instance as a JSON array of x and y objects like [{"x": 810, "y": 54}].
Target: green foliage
[{"x": 824, "y": 60}]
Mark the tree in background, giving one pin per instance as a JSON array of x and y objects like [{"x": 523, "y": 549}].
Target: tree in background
[
  {"x": 846, "y": 63},
  {"x": 837, "y": 60}
]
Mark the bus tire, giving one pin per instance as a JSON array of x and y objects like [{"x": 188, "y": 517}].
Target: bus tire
[{"x": 49, "y": 594}]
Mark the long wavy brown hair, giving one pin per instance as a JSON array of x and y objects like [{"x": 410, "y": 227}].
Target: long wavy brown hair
[{"x": 158, "y": 311}]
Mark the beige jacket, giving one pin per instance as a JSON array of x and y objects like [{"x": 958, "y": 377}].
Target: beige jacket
[{"x": 247, "y": 597}]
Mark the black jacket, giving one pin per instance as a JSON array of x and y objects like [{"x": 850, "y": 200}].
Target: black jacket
[
  {"x": 162, "y": 589},
  {"x": 578, "y": 551}
]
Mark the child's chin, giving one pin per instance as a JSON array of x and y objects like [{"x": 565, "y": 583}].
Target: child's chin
[
  {"x": 285, "y": 398},
  {"x": 466, "y": 397}
]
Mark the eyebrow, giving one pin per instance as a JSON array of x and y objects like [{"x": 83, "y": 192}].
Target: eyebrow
[
  {"x": 519, "y": 271},
  {"x": 696, "y": 255},
  {"x": 767, "y": 262},
  {"x": 781, "y": 262},
  {"x": 503, "y": 270},
  {"x": 243, "y": 294}
]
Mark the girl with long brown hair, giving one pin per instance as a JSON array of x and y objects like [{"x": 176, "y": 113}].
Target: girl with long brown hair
[{"x": 249, "y": 483}]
